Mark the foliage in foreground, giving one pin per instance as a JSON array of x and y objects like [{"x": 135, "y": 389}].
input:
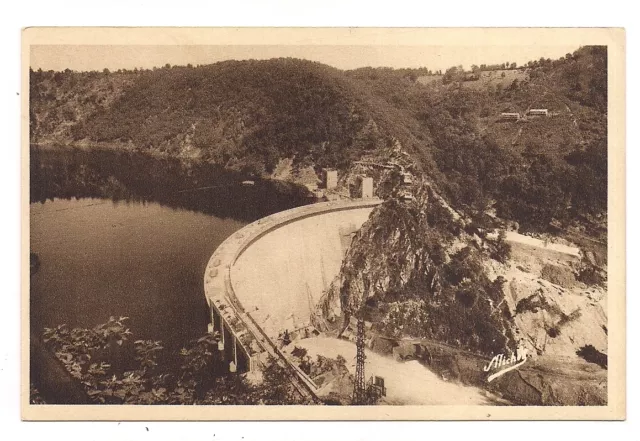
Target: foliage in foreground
[
  {"x": 34, "y": 395},
  {"x": 115, "y": 369}
]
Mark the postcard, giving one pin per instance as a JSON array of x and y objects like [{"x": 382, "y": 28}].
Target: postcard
[{"x": 323, "y": 224}]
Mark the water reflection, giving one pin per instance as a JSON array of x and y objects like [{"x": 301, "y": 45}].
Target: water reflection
[{"x": 129, "y": 176}]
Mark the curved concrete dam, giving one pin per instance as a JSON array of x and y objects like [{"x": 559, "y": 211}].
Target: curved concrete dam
[{"x": 269, "y": 276}]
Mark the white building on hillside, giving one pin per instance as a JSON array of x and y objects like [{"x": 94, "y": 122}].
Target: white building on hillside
[
  {"x": 510, "y": 116},
  {"x": 538, "y": 112}
]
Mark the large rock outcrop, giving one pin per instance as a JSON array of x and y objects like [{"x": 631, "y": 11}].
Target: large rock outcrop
[{"x": 412, "y": 273}]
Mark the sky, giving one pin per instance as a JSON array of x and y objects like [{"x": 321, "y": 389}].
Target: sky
[{"x": 113, "y": 57}]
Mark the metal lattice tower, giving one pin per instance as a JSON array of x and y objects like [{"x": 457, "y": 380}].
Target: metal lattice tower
[{"x": 359, "y": 387}]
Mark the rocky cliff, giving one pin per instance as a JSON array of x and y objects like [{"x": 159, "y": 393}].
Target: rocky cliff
[
  {"x": 413, "y": 272},
  {"x": 424, "y": 282}
]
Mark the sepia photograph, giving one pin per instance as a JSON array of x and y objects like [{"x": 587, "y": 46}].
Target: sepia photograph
[{"x": 323, "y": 223}]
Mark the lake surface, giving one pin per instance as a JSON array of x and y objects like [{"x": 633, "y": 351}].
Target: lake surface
[
  {"x": 141, "y": 260},
  {"x": 123, "y": 234}
]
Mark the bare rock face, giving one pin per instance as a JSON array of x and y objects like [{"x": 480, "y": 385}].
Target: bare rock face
[
  {"x": 437, "y": 296},
  {"x": 554, "y": 381},
  {"x": 387, "y": 253},
  {"x": 556, "y": 320},
  {"x": 564, "y": 322},
  {"x": 397, "y": 274}
]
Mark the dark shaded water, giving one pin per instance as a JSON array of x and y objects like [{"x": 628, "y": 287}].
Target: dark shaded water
[{"x": 127, "y": 235}]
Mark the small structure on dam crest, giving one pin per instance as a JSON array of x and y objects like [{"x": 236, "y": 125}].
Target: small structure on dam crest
[
  {"x": 330, "y": 178},
  {"x": 365, "y": 187}
]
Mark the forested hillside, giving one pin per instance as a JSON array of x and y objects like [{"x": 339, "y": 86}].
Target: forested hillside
[
  {"x": 534, "y": 170},
  {"x": 244, "y": 115},
  {"x": 247, "y": 115}
]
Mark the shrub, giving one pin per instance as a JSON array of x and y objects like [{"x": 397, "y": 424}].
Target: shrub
[
  {"x": 533, "y": 303},
  {"x": 500, "y": 249},
  {"x": 299, "y": 352},
  {"x": 558, "y": 275},
  {"x": 590, "y": 275},
  {"x": 592, "y": 355}
]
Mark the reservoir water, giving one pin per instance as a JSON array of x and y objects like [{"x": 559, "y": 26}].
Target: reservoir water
[
  {"x": 124, "y": 234},
  {"x": 100, "y": 258}
]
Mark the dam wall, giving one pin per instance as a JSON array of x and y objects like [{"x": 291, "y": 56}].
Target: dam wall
[{"x": 268, "y": 277}]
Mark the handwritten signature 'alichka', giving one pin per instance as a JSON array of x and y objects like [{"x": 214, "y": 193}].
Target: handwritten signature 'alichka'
[{"x": 499, "y": 361}]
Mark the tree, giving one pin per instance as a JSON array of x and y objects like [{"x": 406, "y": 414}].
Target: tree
[
  {"x": 500, "y": 249},
  {"x": 452, "y": 74}
]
